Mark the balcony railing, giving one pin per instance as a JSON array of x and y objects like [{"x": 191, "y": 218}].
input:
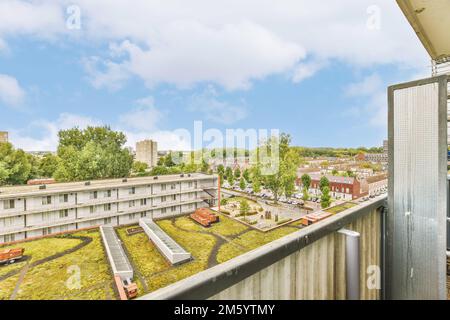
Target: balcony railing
[{"x": 322, "y": 261}]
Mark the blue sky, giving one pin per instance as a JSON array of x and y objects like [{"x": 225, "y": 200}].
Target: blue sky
[{"x": 316, "y": 71}]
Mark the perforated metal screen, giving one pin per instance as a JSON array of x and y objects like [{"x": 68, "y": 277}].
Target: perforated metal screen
[{"x": 416, "y": 224}]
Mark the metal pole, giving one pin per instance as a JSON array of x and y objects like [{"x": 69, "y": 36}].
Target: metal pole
[{"x": 352, "y": 263}]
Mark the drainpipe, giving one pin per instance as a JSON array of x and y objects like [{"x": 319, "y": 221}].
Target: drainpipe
[{"x": 352, "y": 263}]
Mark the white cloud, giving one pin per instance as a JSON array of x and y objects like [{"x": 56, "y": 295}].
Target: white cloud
[
  {"x": 11, "y": 93},
  {"x": 210, "y": 107},
  {"x": 48, "y": 130},
  {"x": 367, "y": 86},
  {"x": 41, "y": 18},
  {"x": 307, "y": 70},
  {"x": 374, "y": 108},
  {"x": 229, "y": 43},
  {"x": 105, "y": 73},
  {"x": 145, "y": 117},
  {"x": 47, "y": 140}
]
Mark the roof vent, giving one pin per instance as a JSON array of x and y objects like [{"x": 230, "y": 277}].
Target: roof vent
[
  {"x": 87, "y": 183},
  {"x": 124, "y": 180},
  {"x": 182, "y": 175},
  {"x": 42, "y": 187},
  {"x": 155, "y": 178},
  {"x": 189, "y": 175}
]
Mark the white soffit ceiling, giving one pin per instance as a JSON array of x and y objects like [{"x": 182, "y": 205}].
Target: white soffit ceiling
[{"x": 431, "y": 22}]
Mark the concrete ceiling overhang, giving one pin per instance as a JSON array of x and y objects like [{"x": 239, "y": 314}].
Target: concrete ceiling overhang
[{"x": 431, "y": 22}]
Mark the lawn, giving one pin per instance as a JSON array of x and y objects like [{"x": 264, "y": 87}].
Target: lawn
[
  {"x": 249, "y": 241},
  {"x": 341, "y": 207},
  {"x": 37, "y": 250},
  {"x": 83, "y": 274},
  {"x": 235, "y": 239}
]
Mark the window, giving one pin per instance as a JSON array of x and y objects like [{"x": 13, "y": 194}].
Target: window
[
  {"x": 92, "y": 209},
  {"x": 190, "y": 206},
  {"x": 143, "y": 202},
  {"x": 9, "y": 204},
  {"x": 46, "y": 216},
  {"x": 132, "y": 190},
  {"x": 174, "y": 197},
  {"x": 63, "y": 213},
  {"x": 46, "y": 200},
  {"x": 63, "y": 198},
  {"x": 9, "y": 238},
  {"x": 190, "y": 184},
  {"x": 174, "y": 208},
  {"x": 131, "y": 216},
  {"x": 163, "y": 187},
  {"x": 108, "y": 194},
  {"x": 46, "y": 231},
  {"x": 107, "y": 221},
  {"x": 132, "y": 203},
  {"x": 163, "y": 210},
  {"x": 143, "y": 214},
  {"x": 107, "y": 207},
  {"x": 7, "y": 222},
  {"x": 163, "y": 199},
  {"x": 348, "y": 190},
  {"x": 173, "y": 186}
]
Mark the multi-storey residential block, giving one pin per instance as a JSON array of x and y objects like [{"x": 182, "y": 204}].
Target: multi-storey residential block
[
  {"x": 33, "y": 211},
  {"x": 147, "y": 152},
  {"x": 3, "y": 136}
]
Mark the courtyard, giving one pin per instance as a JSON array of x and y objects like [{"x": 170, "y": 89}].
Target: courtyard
[{"x": 263, "y": 215}]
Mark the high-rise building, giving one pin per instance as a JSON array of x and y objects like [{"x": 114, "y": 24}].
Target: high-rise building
[
  {"x": 3, "y": 136},
  {"x": 147, "y": 152}
]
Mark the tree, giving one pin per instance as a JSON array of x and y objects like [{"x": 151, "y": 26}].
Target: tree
[
  {"x": 159, "y": 171},
  {"x": 325, "y": 200},
  {"x": 324, "y": 182},
  {"x": 139, "y": 167},
  {"x": 246, "y": 175},
  {"x": 242, "y": 184},
  {"x": 220, "y": 169},
  {"x": 305, "y": 194},
  {"x": 221, "y": 178},
  {"x": 168, "y": 161},
  {"x": 256, "y": 186},
  {"x": 244, "y": 207},
  {"x": 306, "y": 181},
  {"x": 237, "y": 173},
  {"x": 334, "y": 172},
  {"x": 47, "y": 165},
  {"x": 283, "y": 180},
  {"x": 92, "y": 153},
  {"x": 230, "y": 180},
  {"x": 228, "y": 172},
  {"x": 204, "y": 168},
  {"x": 15, "y": 167}
]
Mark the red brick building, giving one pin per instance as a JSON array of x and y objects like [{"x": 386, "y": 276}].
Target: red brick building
[{"x": 346, "y": 188}]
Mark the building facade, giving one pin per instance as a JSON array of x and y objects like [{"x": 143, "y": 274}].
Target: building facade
[
  {"x": 34, "y": 211},
  {"x": 344, "y": 188},
  {"x": 3, "y": 136},
  {"x": 147, "y": 152}
]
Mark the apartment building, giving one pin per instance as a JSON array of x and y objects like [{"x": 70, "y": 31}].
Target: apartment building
[
  {"x": 3, "y": 136},
  {"x": 38, "y": 210},
  {"x": 147, "y": 152}
]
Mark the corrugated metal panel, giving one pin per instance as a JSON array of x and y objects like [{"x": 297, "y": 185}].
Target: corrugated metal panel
[{"x": 417, "y": 190}]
